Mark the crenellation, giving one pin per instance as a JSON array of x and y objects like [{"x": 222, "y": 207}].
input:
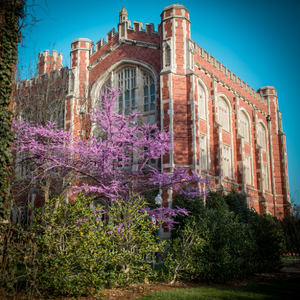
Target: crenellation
[
  {"x": 53, "y": 74},
  {"x": 220, "y": 67},
  {"x": 100, "y": 44},
  {"x": 110, "y": 34},
  {"x": 204, "y": 54},
  {"x": 138, "y": 26},
  {"x": 44, "y": 77},
  {"x": 152, "y": 29}
]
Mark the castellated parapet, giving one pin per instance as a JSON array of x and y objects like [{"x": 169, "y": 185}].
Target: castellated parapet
[
  {"x": 49, "y": 62},
  {"x": 221, "y": 128}
]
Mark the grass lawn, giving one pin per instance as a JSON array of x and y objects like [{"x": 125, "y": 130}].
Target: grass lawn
[{"x": 273, "y": 289}]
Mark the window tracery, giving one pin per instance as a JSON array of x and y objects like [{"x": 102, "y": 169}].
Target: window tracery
[{"x": 139, "y": 89}]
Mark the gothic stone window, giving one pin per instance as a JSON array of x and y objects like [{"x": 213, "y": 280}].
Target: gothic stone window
[
  {"x": 262, "y": 136},
  {"x": 245, "y": 127},
  {"x": 224, "y": 117},
  {"x": 227, "y": 161},
  {"x": 139, "y": 89},
  {"x": 202, "y": 102}
]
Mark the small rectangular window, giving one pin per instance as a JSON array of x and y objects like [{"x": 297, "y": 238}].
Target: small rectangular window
[
  {"x": 203, "y": 152},
  {"x": 248, "y": 169},
  {"x": 227, "y": 162},
  {"x": 266, "y": 176}
]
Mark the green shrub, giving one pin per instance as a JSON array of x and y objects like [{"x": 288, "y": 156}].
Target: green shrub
[
  {"x": 18, "y": 258},
  {"x": 291, "y": 228},
  {"x": 74, "y": 255},
  {"x": 237, "y": 204},
  {"x": 80, "y": 252},
  {"x": 223, "y": 240},
  {"x": 266, "y": 230},
  {"x": 212, "y": 246},
  {"x": 270, "y": 242}
]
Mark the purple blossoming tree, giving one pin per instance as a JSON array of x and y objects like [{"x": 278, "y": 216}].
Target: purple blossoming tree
[{"x": 113, "y": 162}]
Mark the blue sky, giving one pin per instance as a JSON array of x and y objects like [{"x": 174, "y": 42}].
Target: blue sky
[{"x": 257, "y": 40}]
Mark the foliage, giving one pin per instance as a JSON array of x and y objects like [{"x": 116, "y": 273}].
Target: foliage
[
  {"x": 223, "y": 240},
  {"x": 270, "y": 242},
  {"x": 195, "y": 208},
  {"x": 267, "y": 232},
  {"x": 10, "y": 14},
  {"x": 211, "y": 246},
  {"x": 74, "y": 250},
  {"x": 237, "y": 204},
  {"x": 133, "y": 238},
  {"x": 19, "y": 261},
  {"x": 291, "y": 228}
]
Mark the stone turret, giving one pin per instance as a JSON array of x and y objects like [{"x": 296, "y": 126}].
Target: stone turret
[
  {"x": 49, "y": 62},
  {"x": 124, "y": 23}
]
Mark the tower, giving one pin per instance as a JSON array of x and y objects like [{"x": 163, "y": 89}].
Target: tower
[{"x": 49, "y": 62}]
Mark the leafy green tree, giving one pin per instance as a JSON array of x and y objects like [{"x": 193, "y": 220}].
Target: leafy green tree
[{"x": 11, "y": 13}]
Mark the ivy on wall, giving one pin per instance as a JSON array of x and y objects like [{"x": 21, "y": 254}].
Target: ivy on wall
[{"x": 11, "y": 14}]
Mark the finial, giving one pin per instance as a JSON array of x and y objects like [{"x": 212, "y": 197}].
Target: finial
[{"x": 123, "y": 15}]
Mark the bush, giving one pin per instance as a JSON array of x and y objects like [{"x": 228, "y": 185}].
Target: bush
[
  {"x": 74, "y": 250},
  {"x": 266, "y": 230},
  {"x": 291, "y": 228},
  {"x": 18, "y": 259},
  {"x": 74, "y": 254},
  {"x": 211, "y": 246},
  {"x": 270, "y": 242},
  {"x": 80, "y": 252},
  {"x": 223, "y": 240}
]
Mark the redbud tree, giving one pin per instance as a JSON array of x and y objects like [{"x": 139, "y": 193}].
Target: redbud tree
[{"x": 114, "y": 163}]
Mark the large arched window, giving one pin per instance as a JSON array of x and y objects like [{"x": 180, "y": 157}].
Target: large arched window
[
  {"x": 139, "y": 89},
  {"x": 245, "y": 127},
  {"x": 201, "y": 101},
  {"x": 262, "y": 136},
  {"x": 224, "y": 116}
]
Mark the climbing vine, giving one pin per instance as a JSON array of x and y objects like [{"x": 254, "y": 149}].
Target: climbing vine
[{"x": 11, "y": 17}]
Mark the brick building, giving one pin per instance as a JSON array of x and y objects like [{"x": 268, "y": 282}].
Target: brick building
[{"x": 222, "y": 128}]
